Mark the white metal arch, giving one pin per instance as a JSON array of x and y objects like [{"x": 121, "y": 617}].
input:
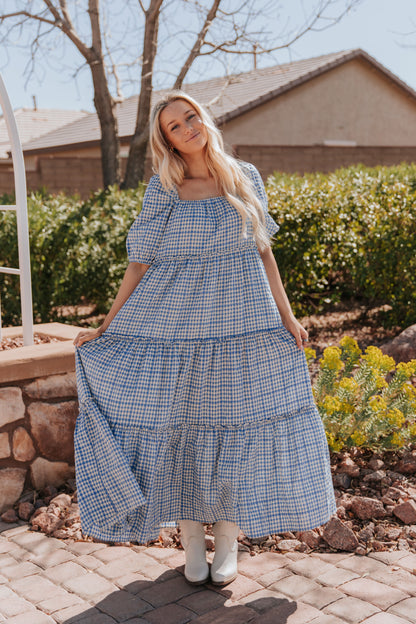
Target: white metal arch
[{"x": 21, "y": 217}]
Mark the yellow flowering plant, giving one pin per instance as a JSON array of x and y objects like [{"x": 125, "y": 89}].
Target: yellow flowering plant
[{"x": 365, "y": 399}]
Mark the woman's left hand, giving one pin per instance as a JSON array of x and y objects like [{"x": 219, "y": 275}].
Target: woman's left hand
[{"x": 300, "y": 334}]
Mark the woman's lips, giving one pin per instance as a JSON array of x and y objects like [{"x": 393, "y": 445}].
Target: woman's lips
[{"x": 193, "y": 137}]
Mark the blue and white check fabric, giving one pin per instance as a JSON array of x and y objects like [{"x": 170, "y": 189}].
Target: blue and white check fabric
[{"x": 196, "y": 403}]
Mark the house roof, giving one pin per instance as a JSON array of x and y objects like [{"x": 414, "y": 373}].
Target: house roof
[
  {"x": 33, "y": 123},
  {"x": 226, "y": 98}
]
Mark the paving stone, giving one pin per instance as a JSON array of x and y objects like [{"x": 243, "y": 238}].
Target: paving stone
[
  {"x": 75, "y": 614},
  {"x": 89, "y": 561},
  {"x": 384, "y": 618},
  {"x": 271, "y": 577},
  {"x": 405, "y": 609},
  {"x": 136, "y": 621},
  {"x": 237, "y": 589},
  {"x": 122, "y": 605},
  {"x": 388, "y": 556},
  {"x": 203, "y": 601},
  {"x": 408, "y": 562},
  {"x": 34, "y": 588},
  {"x": 324, "y": 618},
  {"x": 169, "y": 591},
  {"x": 54, "y": 558},
  {"x": 361, "y": 565},
  {"x": 6, "y": 546},
  {"x": 132, "y": 562},
  {"x": 19, "y": 570},
  {"x": 378, "y": 594},
  {"x": 396, "y": 578},
  {"x": 228, "y": 615},
  {"x": 113, "y": 553},
  {"x": 32, "y": 617},
  {"x": 174, "y": 614},
  {"x": 89, "y": 586},
  {"x": 351, "y": 609},
  {"x": 253, "y": 567},
  {"x": 134, "y": 583},
  {"x": 333, "y": 558},
  {"x": 263, "y": 600},
  {"x": 64, "y": 571},
  {"x": 322, "y": 597},
  {"x": 10, "y": 531},
  {"x": 288, "y": 613},
  {"x": 11, "y": 604},
  {"x": 6, "y": 560},
  {"x": 160, "y": 554},
  {"x": 176, "y": 560},
  {"x": 38, "y": 543},
  {"x": 85, "y": 548},
  {"x": 310, "y": 568},
  {"x": 294, "y": 586},
  {"x": 336, "y": 577},
  {"x": 60, "y": 600}
]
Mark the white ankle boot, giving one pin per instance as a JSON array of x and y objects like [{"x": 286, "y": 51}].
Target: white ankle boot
[
  {"x": 224, "y": 565},
  {"x": 193, "y": 542}
]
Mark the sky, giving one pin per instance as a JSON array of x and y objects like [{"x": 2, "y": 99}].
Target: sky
[{"x": 383, "y": 28}]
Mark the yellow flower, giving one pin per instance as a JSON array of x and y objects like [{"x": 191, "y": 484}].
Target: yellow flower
[
  {"x": 380, "y": 381},
  {"x": 377, "y": 403},
  {"x": 412, "y": 430},
  {"x": 333, "y": 443},
  {"x": 348, "y": 383},
  {"x": 395, "y": 417},
  {"x": 408, "y": 369},
  {"x": 331, "y": 404},
  {"x": 351, "y": 348},
  {"x": 376, "y": 359},
  {"x": 397, "y": 439},
  {"x": 310, "y": 354},
  {"x": 332, "y": 359},
  {"x": 358, "y": 438}
]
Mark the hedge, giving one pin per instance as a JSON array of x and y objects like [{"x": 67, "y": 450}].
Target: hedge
[{"x": 351, "y": 233}]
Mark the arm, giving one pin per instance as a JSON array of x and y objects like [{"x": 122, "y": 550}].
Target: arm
[
  {"x": 281, "y": 299},
  {"x": 131, "y": 279}
]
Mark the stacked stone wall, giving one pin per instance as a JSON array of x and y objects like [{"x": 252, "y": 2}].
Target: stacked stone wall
[{"x": 37, "y": 421}]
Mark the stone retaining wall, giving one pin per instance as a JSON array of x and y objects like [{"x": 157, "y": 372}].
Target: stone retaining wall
[{"x": 38, "y": 410}]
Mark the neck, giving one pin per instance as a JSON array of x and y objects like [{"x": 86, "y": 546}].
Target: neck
[{"x": 196, "y": 166}]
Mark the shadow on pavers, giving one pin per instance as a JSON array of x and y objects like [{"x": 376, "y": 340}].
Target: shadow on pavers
[{"x": 175, "y": 600}]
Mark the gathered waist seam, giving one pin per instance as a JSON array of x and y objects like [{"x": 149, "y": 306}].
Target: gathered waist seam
[{"x": 251, "y": 245}]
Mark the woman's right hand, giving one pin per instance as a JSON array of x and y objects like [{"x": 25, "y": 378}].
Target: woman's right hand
[{"x": 87, "y": 334}]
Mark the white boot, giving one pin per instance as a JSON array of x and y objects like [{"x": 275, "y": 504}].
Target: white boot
[
  {"x": 224, "y": 565},
  {"x": 193, "y": 542}
]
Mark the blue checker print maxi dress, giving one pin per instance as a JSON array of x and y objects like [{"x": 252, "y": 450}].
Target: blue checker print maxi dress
[{"x": 196, "y": 403}]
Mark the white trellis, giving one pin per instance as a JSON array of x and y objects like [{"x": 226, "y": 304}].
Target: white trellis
[{"x": 21, "y": 218}]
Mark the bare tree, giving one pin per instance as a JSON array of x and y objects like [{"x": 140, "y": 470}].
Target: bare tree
[{"x": 221, "y": 29}]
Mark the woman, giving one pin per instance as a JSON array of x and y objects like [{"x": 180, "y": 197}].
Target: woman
[{"x": 195, "y": 397}]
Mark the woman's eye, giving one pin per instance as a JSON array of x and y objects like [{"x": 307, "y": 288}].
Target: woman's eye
[
  {"x": 174, "y": 127},
  {"x": 191, "y": 116}
]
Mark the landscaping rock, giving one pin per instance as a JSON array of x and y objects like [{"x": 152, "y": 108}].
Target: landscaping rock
[
  {"x": 23, "y": 449},
  {"x": 406, "y": 512},
  {"x": 367, "y": 508},
  {"x": 4, "y": 445},
  {"x": 53, "y": 386},
  {"x": 403, "y": 347},
  {"x": 338, "y": 535},
  {"x": 407, "y": 464},
  {"x": 53, "y": 428},
  {"x": 9, "y": 516},
  {"x": 25, "y": 510},
  {"x": 11, "y": 405},
  {"x": 310, "y": 538},
  {"x": 46, "y": 522},
  {"x": 11, "y": 486},
  {"x": 45, "y": 472},
  {"x": 349, "y": 467},
  {"x": 289, "y": 545}
]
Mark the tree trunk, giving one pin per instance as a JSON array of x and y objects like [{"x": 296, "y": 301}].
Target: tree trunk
[{"x": 139, "y": 143}]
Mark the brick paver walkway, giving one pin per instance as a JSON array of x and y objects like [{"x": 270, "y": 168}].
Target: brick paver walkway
[{"x": 44, "y": 580}]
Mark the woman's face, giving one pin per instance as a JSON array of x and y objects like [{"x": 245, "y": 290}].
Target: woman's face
[{"x": 183, "y": 128}]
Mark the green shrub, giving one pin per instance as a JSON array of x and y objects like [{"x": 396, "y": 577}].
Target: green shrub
[
  {"x": 348, "y": 233},
  {"x": 357, "y": 403},
  {"x": 77, "y": 250}
]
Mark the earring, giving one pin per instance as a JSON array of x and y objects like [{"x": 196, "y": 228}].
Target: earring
[{"x": 171, "y": 148}]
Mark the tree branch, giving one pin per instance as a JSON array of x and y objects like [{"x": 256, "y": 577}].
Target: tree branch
[{"x": 196, "y": 49}]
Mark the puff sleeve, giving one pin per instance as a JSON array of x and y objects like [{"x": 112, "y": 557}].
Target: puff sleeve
[
  {"x": 254, "y": 175},
  {"x": 146, "y": 232}
]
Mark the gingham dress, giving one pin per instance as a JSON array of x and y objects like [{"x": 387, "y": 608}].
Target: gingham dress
[{"x": 196, "y": 403}]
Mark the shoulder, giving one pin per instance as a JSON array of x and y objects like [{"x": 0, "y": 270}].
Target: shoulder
[
  {"x": 248, "y": 168},
  {"x": 155, "y": 186}
]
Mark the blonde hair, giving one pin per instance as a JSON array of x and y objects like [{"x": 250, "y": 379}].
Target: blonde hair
[{"x": 225, "y": 169}]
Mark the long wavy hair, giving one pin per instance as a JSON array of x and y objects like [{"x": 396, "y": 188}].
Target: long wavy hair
[{"x": 225, "y": 169}]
